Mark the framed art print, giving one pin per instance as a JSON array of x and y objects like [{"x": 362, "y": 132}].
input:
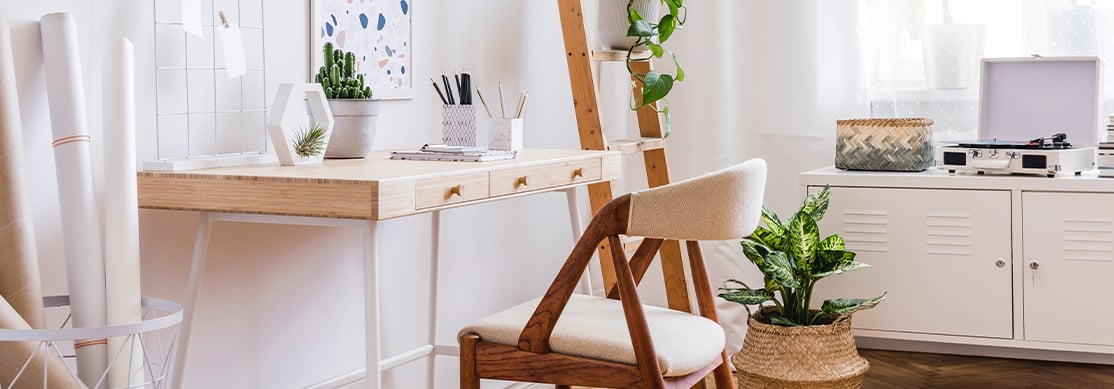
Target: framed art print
[{"x": 376, "y": 31}]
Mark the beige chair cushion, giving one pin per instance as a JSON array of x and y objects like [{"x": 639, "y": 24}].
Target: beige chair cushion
[
  {"x": 721, "y": 205},
  {"x": 594, "y": 327}
]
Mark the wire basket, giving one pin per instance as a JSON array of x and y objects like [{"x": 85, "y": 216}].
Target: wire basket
[{"x": 156, "y": 335}]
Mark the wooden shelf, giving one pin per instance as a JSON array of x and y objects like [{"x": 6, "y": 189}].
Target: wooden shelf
[
  {"x": 616, "y": 55},
  {"x": 635, "y": 145}
]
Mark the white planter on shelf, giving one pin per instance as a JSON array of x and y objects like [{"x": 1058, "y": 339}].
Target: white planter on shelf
[
  {"x": 952, "y": 53},
  {"x": 354, "y": 130},
  {"x": 613, "y": 23}
]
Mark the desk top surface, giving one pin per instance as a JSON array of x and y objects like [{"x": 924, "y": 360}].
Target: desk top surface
[{"x": 374, "y": 188}]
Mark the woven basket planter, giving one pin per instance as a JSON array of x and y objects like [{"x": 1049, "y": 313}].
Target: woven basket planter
[
  {"x": 903, "y": 145},
  {"x": 818, "y": 356}
]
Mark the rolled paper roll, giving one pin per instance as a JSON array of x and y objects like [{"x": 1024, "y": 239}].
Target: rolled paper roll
[
  {"x": 121, "y": 216},
  {"x": 81, "y": 236},
  {"x": 14, "y": 355},
  {"x": 19, "y": 280}
]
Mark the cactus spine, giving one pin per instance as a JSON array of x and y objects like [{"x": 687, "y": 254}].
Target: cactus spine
[{"x": 338, "y": 75}]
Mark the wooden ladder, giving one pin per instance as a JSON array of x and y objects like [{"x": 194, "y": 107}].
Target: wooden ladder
[{"x": 651, "y": 144}]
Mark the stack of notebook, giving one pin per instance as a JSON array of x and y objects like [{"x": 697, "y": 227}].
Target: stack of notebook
[{"x": 454, "y": 153}]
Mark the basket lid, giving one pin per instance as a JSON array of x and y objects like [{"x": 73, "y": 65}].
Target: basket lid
[{"x": 1026, "y": 98}]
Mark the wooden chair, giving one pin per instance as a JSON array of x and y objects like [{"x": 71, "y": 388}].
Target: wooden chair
[{"x": 616, "y": 342}]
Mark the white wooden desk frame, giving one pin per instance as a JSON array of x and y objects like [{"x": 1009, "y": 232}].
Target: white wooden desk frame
[{"x": 370, "y": 227}]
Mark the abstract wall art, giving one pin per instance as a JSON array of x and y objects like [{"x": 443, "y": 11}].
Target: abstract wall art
[{"x": 377, "y": 31}]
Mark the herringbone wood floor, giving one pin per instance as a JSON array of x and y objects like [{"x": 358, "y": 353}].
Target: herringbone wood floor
[{"x": 892, "y": 369}]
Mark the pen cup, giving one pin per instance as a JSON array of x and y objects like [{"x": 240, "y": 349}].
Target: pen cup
[
  {"x": 458, "y": 125},
  {"x": 505, "y": 134}
]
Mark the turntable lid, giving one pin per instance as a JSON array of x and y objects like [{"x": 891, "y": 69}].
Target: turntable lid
[{"x": 1026, "y": 98}]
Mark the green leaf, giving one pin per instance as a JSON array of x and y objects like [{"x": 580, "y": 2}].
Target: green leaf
[
  {"x": 782, "y": 321},
  {"x": 310, "y": 142},
  {"x": 767, "y": 237},
  {"x": 666, "y": 27},
  {"x": 655, "y": 86},
  {"x": 816, "y": 204},
  {"x": 804, "y": 238},
  {"x": 780, "y": 269},
  {"x": 676, "y": 63},
  {"x": 674, "y": 7},
  {"x": 828, "y": 260},
  {"x": 844, "y": 306},
  {"x": 640, "y": 28},
  {"x": 655, "y": 49},
  {"x": 668, "y": 122},
  {"x": 747, "y": 296},
  {"x": 842, "y": 267},
  {"x": 756, "y": 252},
  {"x": 833, "y": 242},
  {"x": 771, "y": 219}
]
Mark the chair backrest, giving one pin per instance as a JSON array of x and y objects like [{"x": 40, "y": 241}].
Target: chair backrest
[{"x": 721, "y": 205}]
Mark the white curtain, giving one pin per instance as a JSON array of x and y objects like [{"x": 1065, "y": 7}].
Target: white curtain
[{"x": 901, "y": 53}]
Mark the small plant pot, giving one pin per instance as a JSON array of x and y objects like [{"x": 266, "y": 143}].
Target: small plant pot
[
  {"x": 354, "y": 130},
  {"x": 816, "y": 356},
  {"x": 613, "y": 23}
]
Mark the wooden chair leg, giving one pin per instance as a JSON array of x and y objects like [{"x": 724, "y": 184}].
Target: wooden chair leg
[
  {"x": 722, "y": 374},
  {"x": 469, "y": 378}
]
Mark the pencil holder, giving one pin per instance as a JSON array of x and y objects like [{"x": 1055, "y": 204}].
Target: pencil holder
[
  {"x": 458, "y": 125},
  {"x": 505, "y": 134}
]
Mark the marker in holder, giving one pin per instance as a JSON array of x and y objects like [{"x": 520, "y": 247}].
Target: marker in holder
[{"x": 458, "y": 125}]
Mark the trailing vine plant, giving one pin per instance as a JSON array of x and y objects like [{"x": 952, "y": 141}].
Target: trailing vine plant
[{"x": 651, "y": 35}]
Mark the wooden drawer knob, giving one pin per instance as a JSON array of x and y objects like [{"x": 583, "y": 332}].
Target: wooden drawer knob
[
  {"x": 520, "y": 182},
  {"x": 456, "y": 190},
  {"x": 579, "y": 172}
]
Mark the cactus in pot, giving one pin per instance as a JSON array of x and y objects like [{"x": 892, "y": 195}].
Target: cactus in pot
[{"x": 350, "y": 101}]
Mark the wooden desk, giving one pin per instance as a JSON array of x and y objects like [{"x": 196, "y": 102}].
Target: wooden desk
[{"x": 360, "y": 193}]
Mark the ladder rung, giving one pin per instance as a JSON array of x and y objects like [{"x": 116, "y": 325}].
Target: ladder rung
[
  {"x": 616, "y": 55},
  {"x": 635, "y": 145}
]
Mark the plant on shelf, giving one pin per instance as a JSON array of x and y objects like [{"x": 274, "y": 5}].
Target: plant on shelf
[
  {"x": 785, "y": 341},
  {"x": 310, "y": 142},
  {"x": 350, "y": 101},
  {"x": 793, "y": 258},
  {"x": 651, "y": 34}
]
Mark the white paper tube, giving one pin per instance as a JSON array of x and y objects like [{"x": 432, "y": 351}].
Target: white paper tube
[
  {"x": 19, "y": 277},
  {"x": 80, "y": 225},
  {"x": 14, "y": 355},
  {"x": 121, "y": 215}
]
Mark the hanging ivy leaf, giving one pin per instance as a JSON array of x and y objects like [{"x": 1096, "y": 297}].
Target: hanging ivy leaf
[
  {"x": 677, "y": 64},
  {"x": 655, "y": 49},
  {"x": 666, "y": 27},
  {"x": 641, "y": 29},
  {"x": 655, "y": 86}
]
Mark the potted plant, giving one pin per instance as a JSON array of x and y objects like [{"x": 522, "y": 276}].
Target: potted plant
[
  {"x": 643, "y": 39},
  {"x": 350, "y": 100},
  {"x": 788, "y": 343}
]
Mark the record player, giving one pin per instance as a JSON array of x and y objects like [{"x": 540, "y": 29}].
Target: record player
[{"x": 1029, "y": 98}]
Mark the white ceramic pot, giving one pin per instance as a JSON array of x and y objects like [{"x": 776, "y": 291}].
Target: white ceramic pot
[
  {"x": 953, "y": 54},
  {"x": 613, "y": 24},
  {"x": 354, "y": 127}
]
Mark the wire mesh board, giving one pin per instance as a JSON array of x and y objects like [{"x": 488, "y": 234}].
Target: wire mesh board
[{"x": 204, "y": 117}]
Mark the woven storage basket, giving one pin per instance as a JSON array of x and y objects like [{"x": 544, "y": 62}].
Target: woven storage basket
[
  {"x": 903, "y": 145},
  {"x": 817, "y": 356}
]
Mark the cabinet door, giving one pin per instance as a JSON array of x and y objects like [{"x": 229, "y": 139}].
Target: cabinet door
[
  {"x": 936, "y": 252},
  {"x": 1069, "y": 239}
]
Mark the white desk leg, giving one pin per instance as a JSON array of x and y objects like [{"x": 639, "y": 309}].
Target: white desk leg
[
  {"x": 193, "y": 293},
  {"x": 371, "y": 304},
  {"x": 577, "y": 229},
  {"x": 434, "y": 269}
]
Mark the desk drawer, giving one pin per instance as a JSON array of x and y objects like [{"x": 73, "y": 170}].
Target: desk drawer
[
  {"x": 516, "y": 180},
  {"x": 441, "y": 191},
  {"x": 575, "y": 171}
]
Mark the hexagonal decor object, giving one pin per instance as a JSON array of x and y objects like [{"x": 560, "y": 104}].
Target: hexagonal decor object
[{"x": 296, "y": 108}]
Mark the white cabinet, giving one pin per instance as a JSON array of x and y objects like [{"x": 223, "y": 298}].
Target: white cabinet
[
  {"x": 1069, "y": 267},
  {"x": 1015, "y": 266},
  {"x": 942, "y": 255}
]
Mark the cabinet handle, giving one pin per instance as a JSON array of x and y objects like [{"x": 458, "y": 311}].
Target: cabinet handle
[
  {"x": 520, "y": 182},
  {"x": 1000, "y": 263},
  {"x": 1034, "y": 265},
  {"x": 456, "y": 190},
  {"x": 579, "y": 172}
]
